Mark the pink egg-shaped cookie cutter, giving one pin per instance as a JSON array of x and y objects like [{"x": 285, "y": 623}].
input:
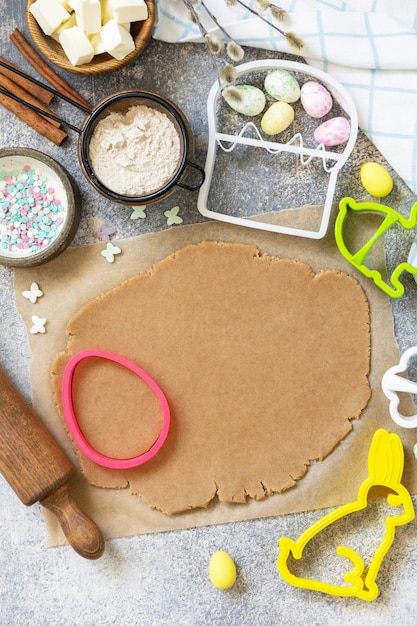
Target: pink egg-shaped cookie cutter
[{"x": 74, "y": 427}]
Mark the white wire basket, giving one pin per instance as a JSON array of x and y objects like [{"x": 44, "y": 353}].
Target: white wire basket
[{"x": 293, "y": 157}]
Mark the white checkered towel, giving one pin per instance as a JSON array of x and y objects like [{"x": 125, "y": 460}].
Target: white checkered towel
[{"x": 370, "y": 46}]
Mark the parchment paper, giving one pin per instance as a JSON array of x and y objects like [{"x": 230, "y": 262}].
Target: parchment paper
[{"x": 80, "y": 274}]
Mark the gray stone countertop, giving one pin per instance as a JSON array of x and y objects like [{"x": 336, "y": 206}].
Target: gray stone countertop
[{"x": 161, "y": 579}]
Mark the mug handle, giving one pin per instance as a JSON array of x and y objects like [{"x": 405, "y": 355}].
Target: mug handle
[{"x": 200, "y": 182}]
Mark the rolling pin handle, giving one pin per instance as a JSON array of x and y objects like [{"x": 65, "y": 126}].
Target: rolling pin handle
[{"x": 80, "y": 530}]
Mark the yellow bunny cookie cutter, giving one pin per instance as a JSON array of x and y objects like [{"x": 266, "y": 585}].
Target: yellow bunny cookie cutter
[{"x": 385, "y": 469}]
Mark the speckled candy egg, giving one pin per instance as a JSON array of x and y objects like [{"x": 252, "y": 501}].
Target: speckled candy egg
[
  {"x": 277, "y": 118},
  {"x": 333, "y": 132},
  {"x": 282, "y": 85},
  {"x": 245, "y": 99},
  {"x": 315, "y": 98},
  {"x": 376, "y": 179}
]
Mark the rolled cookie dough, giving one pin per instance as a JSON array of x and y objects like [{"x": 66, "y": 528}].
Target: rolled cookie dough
[{"x": 263, "y": 363}]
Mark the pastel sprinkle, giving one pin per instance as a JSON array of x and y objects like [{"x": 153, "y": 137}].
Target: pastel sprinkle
[
  {"x": 415, "y": 450},
  {"x": 173, "y": 217},
  {"x": 28, "y": 205},
  {"x": 33, "y": 293},
  {"x": 105, "y": 232},
  {"x": 138, "y": 212},
  {"x": 38, "y": 325},
  {"x": 110, "y": 252}
]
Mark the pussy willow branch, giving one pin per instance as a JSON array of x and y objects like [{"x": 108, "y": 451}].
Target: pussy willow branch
[
  {"x": 292, "y": 39},
  {"x": 277, "y": 12},
  {"x": 234, "y": 50},
  {"x": 203, "y": 33},
  {"x": 215, "y": 20}
]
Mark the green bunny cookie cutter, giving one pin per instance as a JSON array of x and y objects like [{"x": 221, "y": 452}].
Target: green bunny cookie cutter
[
  {"x": 396, "y": 288},
  {"x": 385, "y": 469}
]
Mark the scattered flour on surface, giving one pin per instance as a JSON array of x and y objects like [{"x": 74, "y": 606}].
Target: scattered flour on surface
[{"x": 135, "y": 153}]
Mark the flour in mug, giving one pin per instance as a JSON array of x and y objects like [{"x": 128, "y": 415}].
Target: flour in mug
[{"x": 135, "y": 153}]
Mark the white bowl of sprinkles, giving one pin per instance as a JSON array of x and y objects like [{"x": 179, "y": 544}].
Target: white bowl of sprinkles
[{"x": 39, "y": 207}]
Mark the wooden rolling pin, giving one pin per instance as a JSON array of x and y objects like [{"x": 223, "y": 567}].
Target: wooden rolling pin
[{"x": 38, "y": 470}]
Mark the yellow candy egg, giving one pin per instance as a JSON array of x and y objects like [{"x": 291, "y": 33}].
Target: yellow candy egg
[
  {"x": 277, "y": 118},
  {"x": 376, "y": 179},
  {"x": 222, "y": 570}
]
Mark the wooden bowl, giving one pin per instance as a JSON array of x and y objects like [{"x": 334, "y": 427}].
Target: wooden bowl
[
  {"x": 101, "y": 63},
  {"x": 62, "y": 209}
]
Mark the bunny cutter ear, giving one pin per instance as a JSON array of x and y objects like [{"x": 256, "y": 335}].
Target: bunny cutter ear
[{"x": 385, "y": 465}]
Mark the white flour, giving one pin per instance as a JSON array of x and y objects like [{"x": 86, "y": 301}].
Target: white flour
[{"x": 135, "y": 153}]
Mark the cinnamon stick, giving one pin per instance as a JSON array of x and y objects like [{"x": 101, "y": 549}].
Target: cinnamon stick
[
  {"x": 41, "y": 94},
  {"x": 15, "y": 89},
  {"x": 45, "y": 70},
  {"x": 36, "y": 121}
]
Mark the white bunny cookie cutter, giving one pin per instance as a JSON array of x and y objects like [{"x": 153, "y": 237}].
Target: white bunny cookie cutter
[
  {"x": 393, "y": 384},
  {"x": 249, "y": 136},
  {"x": 385, "y": 469}
]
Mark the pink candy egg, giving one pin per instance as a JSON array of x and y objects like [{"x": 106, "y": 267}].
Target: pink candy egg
[
  {"x": 333, "y": 132},
  {"x": 315, "y": 99}
]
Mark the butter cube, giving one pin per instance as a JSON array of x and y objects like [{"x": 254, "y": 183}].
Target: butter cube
[
  {"x": 97, "y": 43},
  {"x": 117, "y": 40},
  {"x": 68, "y": 24},
  {"x": 106, "y": 11},
  {"x": 76, "y": 45},
  {"x": 49, "y": 14},
  {"x": 65, "y": 4},
  {"x": 88, "y": 15},
  {"x": 129, "y": 10}
]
